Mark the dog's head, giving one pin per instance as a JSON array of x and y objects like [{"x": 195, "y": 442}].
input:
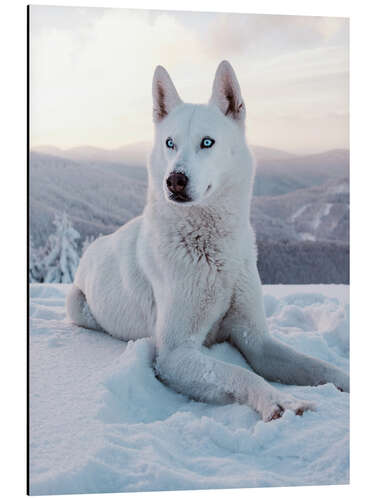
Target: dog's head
[{"x": 199, "y": 150}]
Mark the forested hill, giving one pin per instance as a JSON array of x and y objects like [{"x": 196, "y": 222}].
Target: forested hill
[{"x": 300, "y": 205}]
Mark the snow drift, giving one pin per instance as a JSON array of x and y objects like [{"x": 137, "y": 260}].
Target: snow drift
[{"x": 101, "y": 422}]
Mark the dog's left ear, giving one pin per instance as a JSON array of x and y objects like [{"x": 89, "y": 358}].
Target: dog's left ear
[
  {"x": 226, "y": 93},
  {"x": 164, "y": 93}
]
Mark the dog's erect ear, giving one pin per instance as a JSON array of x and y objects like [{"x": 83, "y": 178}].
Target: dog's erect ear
[
  {"x": 226, "y": 93},
  {"x": 164, "y": 94}
]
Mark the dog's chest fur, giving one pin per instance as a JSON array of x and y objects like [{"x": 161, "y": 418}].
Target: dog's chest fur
[
  {"x": 195, "y": 253},
  {"x": 202, "y": 238}
]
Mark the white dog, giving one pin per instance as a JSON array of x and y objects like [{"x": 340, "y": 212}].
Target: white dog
[{"x": 185, "y": 273}]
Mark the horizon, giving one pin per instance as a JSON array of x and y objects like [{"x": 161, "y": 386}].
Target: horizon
[
  {"x": 293, "y": 72},
  {"x": 149, "y": 143}
]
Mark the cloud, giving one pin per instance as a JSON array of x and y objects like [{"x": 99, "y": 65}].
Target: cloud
[
  {"x": 91, "y": 72},
  {"x": 267, "y": 34},
  {"x": 44, "y": 19},
  {"x": 95, "y": 77}
]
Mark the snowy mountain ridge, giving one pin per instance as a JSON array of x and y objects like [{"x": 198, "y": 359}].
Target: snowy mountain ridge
[
  {"x": 102, "y": 196},
  {"x": 299, "y": 204}
]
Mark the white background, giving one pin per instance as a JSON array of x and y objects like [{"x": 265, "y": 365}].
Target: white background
[{"x": 13, "y": 241}]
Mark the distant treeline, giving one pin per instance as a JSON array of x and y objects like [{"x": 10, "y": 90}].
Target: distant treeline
[{"x": 303, "y": 262}]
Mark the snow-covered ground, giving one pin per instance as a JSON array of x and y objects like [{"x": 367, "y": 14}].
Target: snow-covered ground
[{"x": 101, "y": 422}]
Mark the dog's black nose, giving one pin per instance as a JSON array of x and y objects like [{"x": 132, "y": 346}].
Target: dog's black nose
[{"x": 177, "y": 182}]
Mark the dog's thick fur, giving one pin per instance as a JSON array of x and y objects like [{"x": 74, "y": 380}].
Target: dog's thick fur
[{"x": 185, "y": 274}]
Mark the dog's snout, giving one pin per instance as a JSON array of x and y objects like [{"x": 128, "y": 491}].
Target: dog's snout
[{"x": 177, "y": 182}]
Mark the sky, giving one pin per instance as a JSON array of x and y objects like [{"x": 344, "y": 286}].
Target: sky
[{"x": 91, "y": 72}]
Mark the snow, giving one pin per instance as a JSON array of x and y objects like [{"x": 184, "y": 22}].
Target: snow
[
  {"x": 101, "y": 422},
  {"x": 307, "y": 237},
  {"x": 298, "y": 213},
  {"x": 322, "y": 212}
]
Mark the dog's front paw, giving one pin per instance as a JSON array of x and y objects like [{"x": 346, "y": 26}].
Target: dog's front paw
[{"x": 276, "y": 408}]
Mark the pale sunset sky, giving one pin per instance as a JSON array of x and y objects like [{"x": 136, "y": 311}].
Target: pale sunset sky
[{"x": 91, "y": 72}]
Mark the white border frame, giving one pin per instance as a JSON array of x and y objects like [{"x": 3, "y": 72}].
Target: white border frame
[{"x": 13, "y": 248}]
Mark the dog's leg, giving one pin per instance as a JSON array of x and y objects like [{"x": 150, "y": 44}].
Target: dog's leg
[
  {"x": 79, "y": 311},
  {"x": 281, "y": 363},
  {"x": 269, "y": 357},
  {"x": 182, "y": 363}
]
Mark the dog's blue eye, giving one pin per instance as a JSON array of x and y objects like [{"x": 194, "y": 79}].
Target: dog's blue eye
[
  {"x": 207, "y": 142},
  {"x": 169, "y": 142}
]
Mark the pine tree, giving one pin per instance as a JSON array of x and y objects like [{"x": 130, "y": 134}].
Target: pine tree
[
  {"x": 62, "y": 256},
  {"x": 36, "y": 263}
]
